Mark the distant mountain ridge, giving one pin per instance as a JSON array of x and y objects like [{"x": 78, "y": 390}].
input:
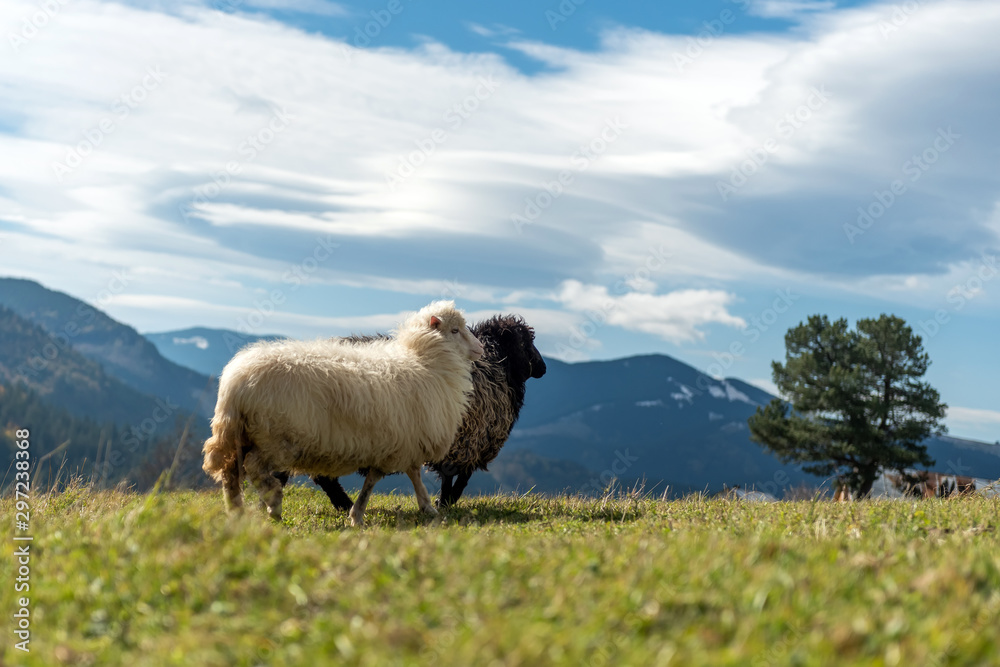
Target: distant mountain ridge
[
  {"x": 202, "y": 349},
  {"x": 62, "y": 375},
  {"x": 647, "y": 419},
  {"x": 120, "y": 350},
  {"x": 678, "y": 426},
  {"x": 650, "y": 419},
  {"x": 107, "y": 430}
]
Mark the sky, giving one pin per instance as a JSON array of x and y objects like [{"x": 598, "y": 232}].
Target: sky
[{"x": 685, "y": 178}]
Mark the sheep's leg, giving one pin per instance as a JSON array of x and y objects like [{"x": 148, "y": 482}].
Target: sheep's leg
[
  {"x": 460, "y": 484},
  {"x": 335, "y": 492},
  {"x": 444, "y": 498},
  {"x": 423, "y": 498},
  {"x": 231, "y": 490},
  {"x": 330, "y": 485},
  {"x": 357, "y": 512},
  {"x": 266, "y": 484},
  {"x": 282, "y": 477},
  {"x": 461, "y": 480}
]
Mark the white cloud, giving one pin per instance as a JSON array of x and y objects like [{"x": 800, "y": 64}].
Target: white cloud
[
  {"x": 975, "y": 423},
  {"x": 972, "y": 416},
  {"x": 789, "y": 9},
  {"x": 199, "y": 342},
  {"x": 496, "y": 30},
  {"x": 676, "y": 316},
  {"x": 355, "y": 118},
  {"x": 970, "y": 285},
  {"x": 767, "y": 384},
  {"x": 318, "y": 7}
]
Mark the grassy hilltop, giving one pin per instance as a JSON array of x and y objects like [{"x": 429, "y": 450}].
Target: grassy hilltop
[{"x": 170, "y": 579}]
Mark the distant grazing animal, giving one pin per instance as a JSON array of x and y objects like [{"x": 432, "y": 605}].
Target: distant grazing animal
[
  {"x": 842, "y": 493},
  {"x": 510, "y": 359},
  {"x": 330, "y": 408},
  {"x": 926, "y": 484}
]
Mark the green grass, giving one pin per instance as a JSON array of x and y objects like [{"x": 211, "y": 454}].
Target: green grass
[{"x": 126, "y": 579}]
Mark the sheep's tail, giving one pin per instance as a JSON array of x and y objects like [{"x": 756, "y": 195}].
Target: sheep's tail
[{"x": 223, "y": 450}]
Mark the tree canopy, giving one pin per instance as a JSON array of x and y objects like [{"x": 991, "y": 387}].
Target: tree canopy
[{"x": 856, "y": 403}]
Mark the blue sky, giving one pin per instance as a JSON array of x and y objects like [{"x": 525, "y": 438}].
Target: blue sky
[{"x": 691, "y": 178}]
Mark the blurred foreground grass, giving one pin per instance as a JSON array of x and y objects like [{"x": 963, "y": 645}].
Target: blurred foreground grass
[{"x": 170, "y": 579}]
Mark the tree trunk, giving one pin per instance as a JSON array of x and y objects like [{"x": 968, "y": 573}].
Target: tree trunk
[{"x": 865, "y": 484}]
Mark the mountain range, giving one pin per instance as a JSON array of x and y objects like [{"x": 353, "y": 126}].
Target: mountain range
[
  {"x": 73, "y": 326},
  {"x": 79, "y": 378},
  {"x": 647, "y": 420},
  {"x": 202, "y": 349},
  {"x": 58, "y": 372}
]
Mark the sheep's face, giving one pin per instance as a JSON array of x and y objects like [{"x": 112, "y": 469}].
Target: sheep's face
[
  {"x": 453, "y": 328},
  {"x": 441, "y": 320},
  {"x": 518, "y": 344},
  {"x": 535, "y": 361}
]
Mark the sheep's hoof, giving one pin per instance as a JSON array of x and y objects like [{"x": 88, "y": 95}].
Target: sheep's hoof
[
  {"x": 234, "y": 505},
  {"x": 357, "y": 521},
  {"x": 274, "y": 512},
  {"x": 429, "y": 509}
]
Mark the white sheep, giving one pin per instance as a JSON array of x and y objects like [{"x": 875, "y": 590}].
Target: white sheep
[
  {"x": 327, "y": 407},
  {"x": 509, "y": 360}
]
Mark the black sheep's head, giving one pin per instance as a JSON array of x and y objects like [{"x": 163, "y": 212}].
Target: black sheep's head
[{"x": 518, "y": 344}]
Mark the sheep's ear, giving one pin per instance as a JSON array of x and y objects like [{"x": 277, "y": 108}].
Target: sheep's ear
[{"x": 435, "y": 321}]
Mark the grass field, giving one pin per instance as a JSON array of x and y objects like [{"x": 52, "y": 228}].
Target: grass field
[{"x": 169, "y": 579}]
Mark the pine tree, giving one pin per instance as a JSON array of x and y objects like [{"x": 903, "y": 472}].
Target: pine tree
[{"x": 856, "y": 403}]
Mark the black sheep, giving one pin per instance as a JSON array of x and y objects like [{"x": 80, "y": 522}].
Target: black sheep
[{"x": 510, "y": 358}]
